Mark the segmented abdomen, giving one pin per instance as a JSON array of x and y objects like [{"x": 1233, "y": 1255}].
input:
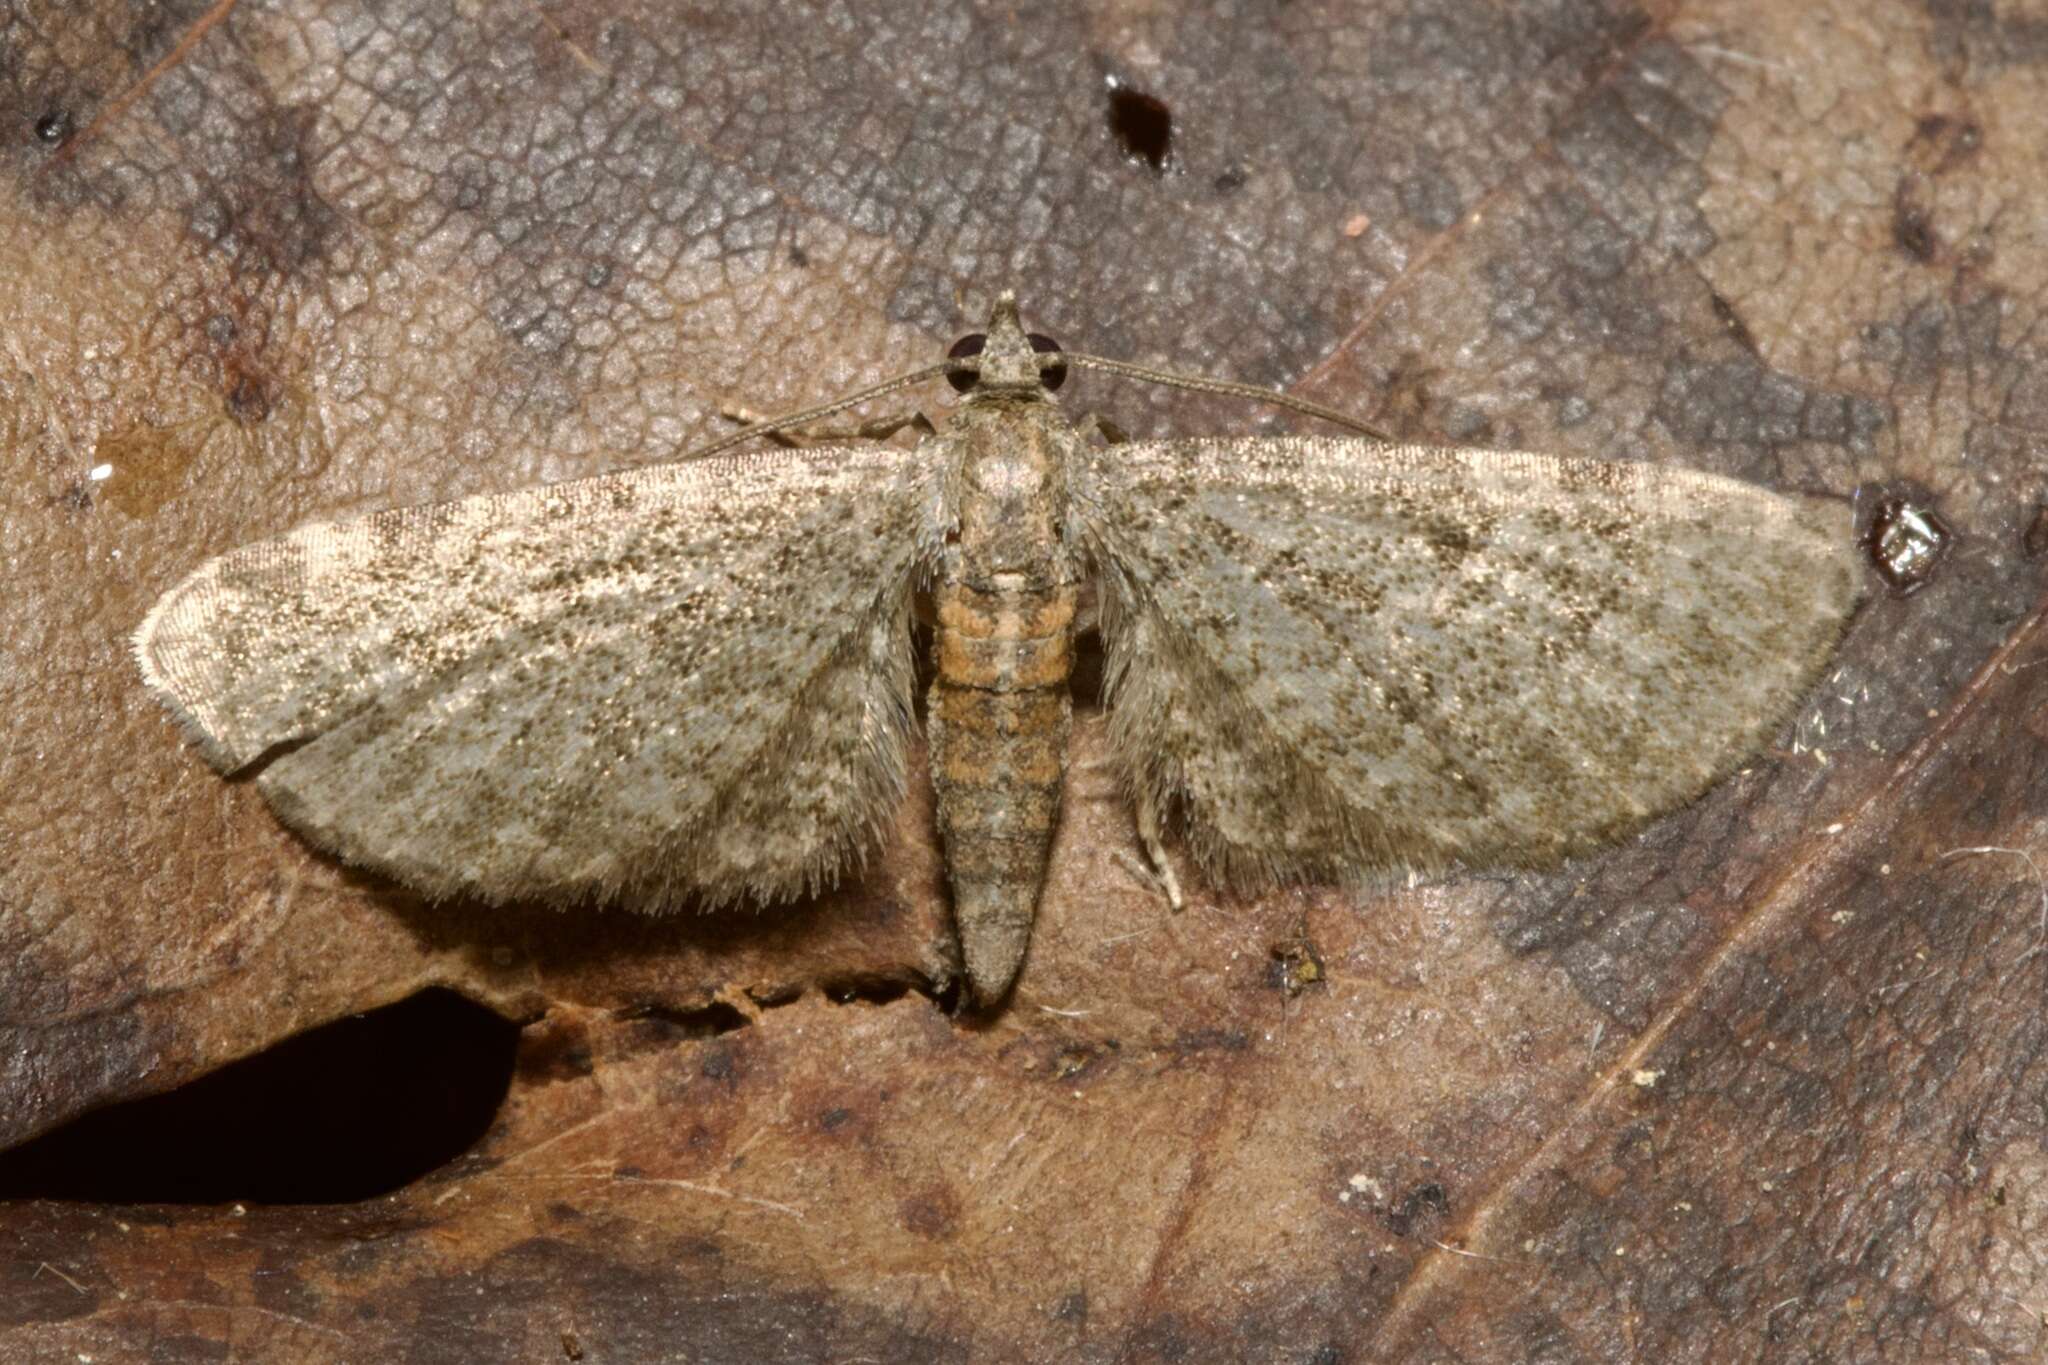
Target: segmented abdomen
[{"x": 1000, "y": 713}]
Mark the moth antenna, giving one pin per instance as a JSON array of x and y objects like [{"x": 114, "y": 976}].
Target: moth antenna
[
  {"x": 1203, "y": 384},
  {"x": 812, "y": 414}
]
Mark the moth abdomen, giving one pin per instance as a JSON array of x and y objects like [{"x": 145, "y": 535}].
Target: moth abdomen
[{"x": 1000, "y": 716}]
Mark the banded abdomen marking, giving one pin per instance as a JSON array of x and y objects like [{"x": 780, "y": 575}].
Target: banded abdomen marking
[{"x": 1000, "y": 713}]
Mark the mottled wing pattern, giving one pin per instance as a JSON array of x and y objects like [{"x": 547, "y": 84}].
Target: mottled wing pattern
[
  {"x": 684, "y": 681},
  {"x": 1340, "y": 656}
]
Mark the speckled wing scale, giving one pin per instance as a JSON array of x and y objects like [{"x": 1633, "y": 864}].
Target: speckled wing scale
[
  {"x": 690, "y": 684},
  {"x": 1341, "y": 656},
  {"x": 684, "y": 683}
]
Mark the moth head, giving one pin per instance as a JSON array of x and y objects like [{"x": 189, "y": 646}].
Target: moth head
[{"x": 1005, "y": 359}]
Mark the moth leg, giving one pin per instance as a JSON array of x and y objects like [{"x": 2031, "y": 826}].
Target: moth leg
[
  {"x": 875, "y": 429},
  {"x": 1088, "y": 609},
  {"x": 1148, "y": 835},
  {"x": 1111, "y": 432}
]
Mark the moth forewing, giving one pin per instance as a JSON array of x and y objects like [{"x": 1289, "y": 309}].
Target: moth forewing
[
  {"x": 1338, "y": 657},
  {"x": 603, "y": 690}
]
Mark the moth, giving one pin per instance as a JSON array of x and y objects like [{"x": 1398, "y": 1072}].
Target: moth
[{"x": 691, "y": 683}]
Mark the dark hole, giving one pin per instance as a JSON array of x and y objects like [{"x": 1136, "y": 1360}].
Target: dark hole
[
  {"x": 1052, "y": 376},
  {"x": 887, "y": 990},
  {"x": 968, "y": 345},
  {"x": 1143, "y": 124},
  {"x": 705, "y": 1021},
  {"x": 355, "y": 1109},
  {"x": 866, "y": 991},
  {"x": 53, "y": 126}
]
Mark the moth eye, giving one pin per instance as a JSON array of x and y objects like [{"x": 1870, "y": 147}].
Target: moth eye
[
  {"x": 968, "y": 345},
  {"x": 1052, "y": 376}
]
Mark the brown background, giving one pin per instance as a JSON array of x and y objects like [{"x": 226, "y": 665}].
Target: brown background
[{"x": 1768, "y": 1083}]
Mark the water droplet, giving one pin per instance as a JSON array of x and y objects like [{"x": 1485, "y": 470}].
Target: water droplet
[{"x": 1905, "y": 541}]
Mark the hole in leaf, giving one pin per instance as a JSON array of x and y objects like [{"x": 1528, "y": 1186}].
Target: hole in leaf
[
  {"x": 351, "y": 1110},
  {"x": 1142, "y": 124},
  {"x": 866, "y": 990},
  {"x": 691, "y": 1025},
  {"x": 887, "y": 990}
]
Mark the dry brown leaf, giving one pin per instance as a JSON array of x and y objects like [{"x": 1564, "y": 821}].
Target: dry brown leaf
[{"x": 1766, "y": 1084}]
